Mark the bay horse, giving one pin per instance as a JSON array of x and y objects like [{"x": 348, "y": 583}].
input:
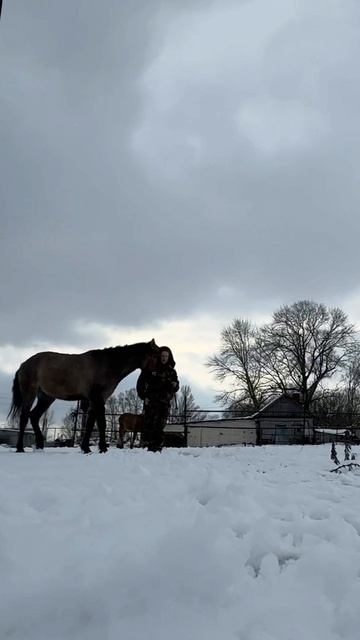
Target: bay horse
[
  {"x": 90, "y": 377},
  {"x": 130, "y": 422}
]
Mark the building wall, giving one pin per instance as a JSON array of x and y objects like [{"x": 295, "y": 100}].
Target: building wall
[
  {"x": 325, "y": 435},
  {"x": 280, "y": 423},
  {"x": 222, "y": 433},
  {"x": 203, "y": 437},
  {"x": 278, "y": 430},
  {"x": 282, "y": 407},
  {"x": 273, "y": 430}
]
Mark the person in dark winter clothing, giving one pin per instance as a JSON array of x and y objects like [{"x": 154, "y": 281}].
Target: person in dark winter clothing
[{"x": 156, "y": 386}]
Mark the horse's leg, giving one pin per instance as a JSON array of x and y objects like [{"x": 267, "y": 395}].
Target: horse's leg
[
  {"x": 133, "y": 438},
  {"x": 99, "y": 407},
  {"x": 43, "y": 403},
  {"x": 90, "y": 421},
  {"x": 28, "y": 395},
  {"x": 24, "y": 417}
]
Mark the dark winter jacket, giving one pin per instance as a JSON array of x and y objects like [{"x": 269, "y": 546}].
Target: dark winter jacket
[{"x": 158, "y": 385}]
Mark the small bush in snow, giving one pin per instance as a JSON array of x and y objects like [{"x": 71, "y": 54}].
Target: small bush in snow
[
  {"x": 333, "y": 455},
  {"x": 347, "y": 450}
]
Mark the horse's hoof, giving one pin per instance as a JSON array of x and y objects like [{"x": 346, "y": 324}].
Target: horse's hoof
[
  {"x": 20, "y": 450},
  {"x": 103, "y": 449},
  {"x": 86, "y": 450}
]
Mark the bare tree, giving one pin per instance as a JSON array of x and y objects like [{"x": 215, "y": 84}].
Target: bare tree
[
  {"x": 329, "y": 408},
  {"x": 126, "y": 402},
  {"x": 239, "y": 364},
  {"x": 129, "y": 402},
  {"x": 185, "y": 403},
  {"x": 112, "y": 411},
  {"x": 69, "y": 422},
  {"x": 304, "y": 344},
  {"x": 351, "y": 382}
]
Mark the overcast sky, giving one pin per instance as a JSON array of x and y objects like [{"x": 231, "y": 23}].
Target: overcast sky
[{"x": 166, "y": 166}]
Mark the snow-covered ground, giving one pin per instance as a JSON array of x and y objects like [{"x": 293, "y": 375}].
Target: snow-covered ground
[{"x": 217, "y": 544}]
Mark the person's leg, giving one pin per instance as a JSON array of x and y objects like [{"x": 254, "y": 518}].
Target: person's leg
[
  {"x": 157, "y": 434},
  {"x": 148, "y": 425}
]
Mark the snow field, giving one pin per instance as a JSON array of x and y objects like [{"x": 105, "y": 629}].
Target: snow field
[{"x": 237, "y": 543}]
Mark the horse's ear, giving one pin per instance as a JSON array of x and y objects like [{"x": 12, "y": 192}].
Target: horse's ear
[{"x": 153, "y": 345}]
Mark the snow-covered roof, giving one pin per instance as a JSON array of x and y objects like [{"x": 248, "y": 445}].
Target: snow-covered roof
[
  {"x": 225, "y": 423},
  {"x": 273, "y": 401},
  {"x": 331, "y": 432}
]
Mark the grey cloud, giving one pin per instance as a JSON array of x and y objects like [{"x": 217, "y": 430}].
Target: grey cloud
[
  {"x": 286, "y": 221},
  {"x": 116, "y": 208}
]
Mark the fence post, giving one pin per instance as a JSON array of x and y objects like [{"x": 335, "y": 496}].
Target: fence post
[
  {"x": 258, "y": 433},
  {"x": 304, "y": 419},
  {"x": 185, "y": 422}
]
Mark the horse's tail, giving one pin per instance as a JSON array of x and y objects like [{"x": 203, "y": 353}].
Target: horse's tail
[{"x": 17, "y": 400}]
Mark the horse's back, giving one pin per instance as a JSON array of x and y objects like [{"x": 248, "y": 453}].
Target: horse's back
[
  {"x": 47, "y": 358},
  {"x": 30, "y": 368},
  {"x": 61, "y": 375}
]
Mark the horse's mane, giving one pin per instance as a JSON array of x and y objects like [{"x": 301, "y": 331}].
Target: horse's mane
[{"x": 120, "y": 350}]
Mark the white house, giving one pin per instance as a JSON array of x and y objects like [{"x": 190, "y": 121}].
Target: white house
[{"x": 218, "y": 433}]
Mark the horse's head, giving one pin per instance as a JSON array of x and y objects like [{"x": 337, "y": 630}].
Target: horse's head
[{"x": 151, "y": 354}]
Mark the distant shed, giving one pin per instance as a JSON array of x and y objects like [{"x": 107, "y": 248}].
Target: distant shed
[{"x": 280, "y": 421}]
